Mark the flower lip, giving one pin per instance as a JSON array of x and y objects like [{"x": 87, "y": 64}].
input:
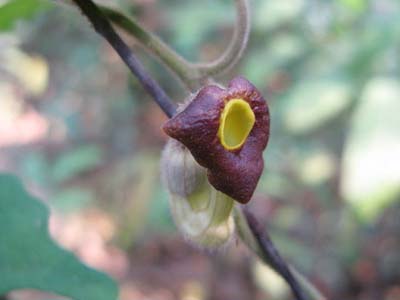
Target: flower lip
[
  {"x": 232, "y": 168},
  {"x": 237, "y": 120}
]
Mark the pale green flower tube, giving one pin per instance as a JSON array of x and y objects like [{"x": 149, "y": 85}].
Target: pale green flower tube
[{"x": 201, "y": 213}]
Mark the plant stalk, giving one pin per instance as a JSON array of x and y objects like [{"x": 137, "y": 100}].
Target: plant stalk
[
  {"x": 237, "y": 45},
  {"x": 193, "y": 75},
  {"x": 248, "y": 229},
  {"x": 104, "y": 28},
  {"x": 176, "y": 63},
  {"x": 261, "y": 244}
]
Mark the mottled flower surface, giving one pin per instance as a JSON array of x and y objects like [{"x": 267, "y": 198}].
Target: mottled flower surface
[{"x": 226, "y": 138}]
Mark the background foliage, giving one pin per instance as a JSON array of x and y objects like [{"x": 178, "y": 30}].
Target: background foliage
[
  {"x": 29, "y": 259},
  {"x": 86, "y": 139}
]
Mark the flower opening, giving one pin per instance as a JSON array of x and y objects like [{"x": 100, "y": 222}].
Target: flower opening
[{"x": 237, "y": 120}]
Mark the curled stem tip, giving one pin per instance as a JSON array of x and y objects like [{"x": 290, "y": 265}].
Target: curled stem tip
[
  {"x": 237, "y": 45},
  {"x": 193, "y": 75}
]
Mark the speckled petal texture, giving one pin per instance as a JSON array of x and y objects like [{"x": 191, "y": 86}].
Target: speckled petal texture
[{"x": 233, "y": 172}]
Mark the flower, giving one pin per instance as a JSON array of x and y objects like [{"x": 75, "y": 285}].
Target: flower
[{"x": 226, "y": 130}]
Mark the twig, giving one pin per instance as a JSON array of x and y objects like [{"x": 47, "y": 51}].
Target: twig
[
  {"x": 272, "y": 254},
  {"x": 260, "y": 243},
  {"x": 104, "y": 28}
]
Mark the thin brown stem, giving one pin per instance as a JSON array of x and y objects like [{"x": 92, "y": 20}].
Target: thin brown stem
[
  {"x": 176, "y": 63},
  {"x": 104, "y": 28},
  {"x": 272, "y": 255},
  {"x": 261, "y": 244}
]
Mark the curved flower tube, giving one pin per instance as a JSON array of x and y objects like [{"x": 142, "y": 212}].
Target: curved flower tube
[
  {"x": 226, "y": 130},
  {"x": 202, "y": 214}
]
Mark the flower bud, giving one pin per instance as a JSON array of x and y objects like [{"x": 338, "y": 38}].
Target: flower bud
[{"x": 200, "y": 212}]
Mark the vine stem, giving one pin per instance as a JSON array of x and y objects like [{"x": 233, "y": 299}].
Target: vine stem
[
  {"x": 237, "y": 46},
  {"x": 193, "y": 75},
  {"x": 175, "y": 62},
  {"x": 261, "y": 244},
  {"x": 248, "y": 229},
  {"x": 104, "y": 28}
]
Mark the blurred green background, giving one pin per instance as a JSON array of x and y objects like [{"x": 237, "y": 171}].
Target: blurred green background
[{"x": 83, "y": 136}]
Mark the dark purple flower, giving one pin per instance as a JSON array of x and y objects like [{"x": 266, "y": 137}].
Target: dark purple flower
[{"x": 226, "y": 130}]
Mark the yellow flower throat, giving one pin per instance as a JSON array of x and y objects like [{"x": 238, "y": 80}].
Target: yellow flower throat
[{"x": 236, "y": 122}]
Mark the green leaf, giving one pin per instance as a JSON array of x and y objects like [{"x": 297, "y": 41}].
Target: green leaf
[
  {"x": 371, "y": 165},
  {"x": 30, "y": 259},
  {"x": 76, "y": 161},
  {"x": 313, "y": 102},
  {"x": 271, "y": 14},
  {"x": 14, "y": 10},
  {"x": 277, "y": 54},
  {"x": 72, "y": 199},
  {"x": 356, "y": 5},
  {"x": 191, "y": 22}
]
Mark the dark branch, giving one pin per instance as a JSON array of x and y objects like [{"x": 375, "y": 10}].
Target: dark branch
[
  {"x": 104, "y": 28},
  {"x": 272, "y": 255}
]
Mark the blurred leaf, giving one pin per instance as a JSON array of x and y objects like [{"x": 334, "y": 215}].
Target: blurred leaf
[
  {"x": 275, "y": 184},
  {"x": 30, "y": 259},
  {"x": 372, "y": 43},
  {"x": 301, "y": 254},
  {"x": 14, "y": 10},
  {"x": 371, "y": 168},
  {"x": 288, "y": 217},
  {"x": 269, "y": 281},
  {"x": 159, "y": 218},
  {"x": 35, "y": 168},
  {"x": 273, "y": 13},
  {"x": 191, "y": 21},
  {"x": 76, "y": 161},
  {"x": 356, "y": 5},
  {"x": 276, "y": 54},
  {"x": 313, "y": 102},
  {"x": 72, "y": 199},
  {"x": 138, "y": 204},
  {"x": 316, "y": 167},
  {"x": 31, "y": 71}
]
